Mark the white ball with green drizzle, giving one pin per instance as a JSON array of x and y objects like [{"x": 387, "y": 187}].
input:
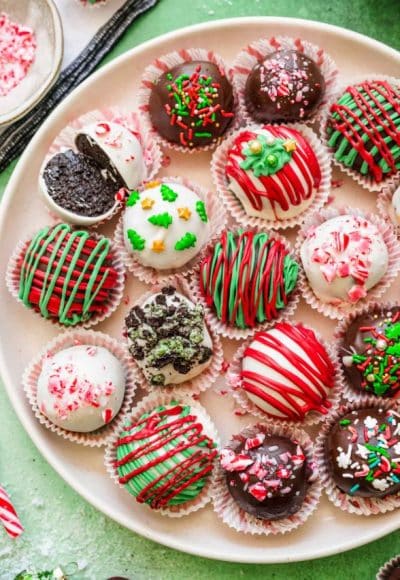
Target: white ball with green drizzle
[{"x": 165, "y": 225}]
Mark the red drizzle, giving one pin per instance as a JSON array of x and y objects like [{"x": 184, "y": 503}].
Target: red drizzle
[
  {"x": 310, "y": 382},
  {"x": 284, "y": 188},
  {"x": 244, "y": 278},
  {"x": 153, "y": 435},
  {"x": 374, "y": 119}
]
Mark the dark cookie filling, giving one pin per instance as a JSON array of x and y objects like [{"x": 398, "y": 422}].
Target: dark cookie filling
[{"x": 76, "y": 183}]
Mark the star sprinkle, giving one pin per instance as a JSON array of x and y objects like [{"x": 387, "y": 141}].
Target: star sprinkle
[
  {"x": 148, "y": 203},
  {"x": 184, "y": 213},
  {"x": 158, "y": 246},
  {"x": 290, "y": 145}
]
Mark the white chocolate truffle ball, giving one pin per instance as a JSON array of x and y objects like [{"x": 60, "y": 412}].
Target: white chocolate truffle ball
[
  {"x": 81, "y": 388},
  {"x": 343, "y": 258},
  {"x": 168, "y": 338},
  {"x": 115, "y": 148},
  {"x": 273, "y": 171},
  {"x": 287, "y": 372},
  {"x": 165, "y": 225}
]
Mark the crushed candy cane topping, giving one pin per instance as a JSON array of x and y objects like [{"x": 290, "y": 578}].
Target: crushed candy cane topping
[
  {"x": 264, "y": 471},
  {"x": 17, "y": 53}
]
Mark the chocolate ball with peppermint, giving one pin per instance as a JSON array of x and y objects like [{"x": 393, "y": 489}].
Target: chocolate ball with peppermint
[
  {"x": 363, "y": 452},
  {"x": 192, "y": 104},
  {"x": 286, "y": 86},
  {"x": 370, "y": 352},
  {"x": 267, "y": 475}
]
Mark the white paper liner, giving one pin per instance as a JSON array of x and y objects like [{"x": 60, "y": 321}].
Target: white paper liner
[
  {"x": 385, "y": 207},
  {"x": 360, "y": 506},
  {"x": 234, "y": 205},
  {"x": 231, "y": 514},
  {"x": 115, "y": 297},
  {"x": 240, "y": 333},
  {"x": 146, "y": 405},
  {"x": 85, "y": 337},
  {"x": 207, "y": 377},
  {"x": 258, "y": 50},
  {"x": 364, "y": 181},
  {"x": 66, "y": 140},
  {"x": 245, "y": 404},
  {"x": 349, "y": 393},
  {"x": 339, "y": 311},
  {"x": 217, "y": 220},
  {"x": 168, "y": 61},
  {"x": 385, "y": 570}
]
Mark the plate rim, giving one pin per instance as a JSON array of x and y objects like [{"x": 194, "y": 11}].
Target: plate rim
[{"x": 163, "y": 537}]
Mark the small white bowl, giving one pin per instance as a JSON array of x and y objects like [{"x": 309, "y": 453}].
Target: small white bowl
[{"x": 42, "y": 16}]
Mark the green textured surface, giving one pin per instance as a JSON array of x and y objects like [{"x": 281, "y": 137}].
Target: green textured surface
[{"x": 60, "y": 526}]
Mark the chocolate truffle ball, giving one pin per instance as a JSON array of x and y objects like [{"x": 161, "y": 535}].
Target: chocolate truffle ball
[
  {"x": 192, "y": 104},
  {"x": 247, "y": 278},
  {"x": 363, "y": 129},
  {"x": 286, "y": 86},
  {"x": 267, "y": 475},
  {"x": 370, "y": 352},
  {"x": 363, "y": 450}
]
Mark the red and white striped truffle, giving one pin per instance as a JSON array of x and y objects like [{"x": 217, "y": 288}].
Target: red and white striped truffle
[{"x": 286, "y": 372}]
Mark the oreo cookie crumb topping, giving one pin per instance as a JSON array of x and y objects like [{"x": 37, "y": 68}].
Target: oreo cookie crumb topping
[{"x": 167, "y": 331}]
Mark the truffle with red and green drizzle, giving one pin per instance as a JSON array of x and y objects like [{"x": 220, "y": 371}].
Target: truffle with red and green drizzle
[
  {"x": 192, "y": 104},
  {"x": 165, "y": 458},
  {"x": 370, "y": 352},
  {"x": 247, "y": 278},
  {"x": 67, "y": 275},
  {"x": 363, "y": 129},
  {"x": 273, "y": 171},
  {"x": 268, "y": 475},
  {"x": 363, "y": 452}
]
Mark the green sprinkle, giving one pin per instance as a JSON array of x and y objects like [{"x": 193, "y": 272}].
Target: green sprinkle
[
  {"x": 167, "y": 193},
  {"x": 345, "y": 422},
  {"x": 201, "y": 210},
  {"x": 137, "y": 242},
  {"x": 202, "y": 134},
  {"x": 377, "y": 449},
  {"x": 187, "y": 241},
  {"x": 133, "y": 198},
  {"x": 393, "y": 331},
  {"x": 163, "y": 220}
]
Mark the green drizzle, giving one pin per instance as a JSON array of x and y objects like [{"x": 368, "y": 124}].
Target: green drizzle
[
  {"x": 137, "y": 242},
  {"x": 248, "y": 278},
  {"x": 268, "y": 159},
  {"x": 164, "y": 220},
  {"x": 201, "y": 210},
  {"x": 167, "y": 193},
  {"x": 187, "y": 241},
  {"x": 133, "y": 198},
  {"x": 51, "y": 252}
]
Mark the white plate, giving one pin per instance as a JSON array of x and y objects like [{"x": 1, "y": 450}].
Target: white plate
[
  {"x": 329, "y": 530},
  {"x": 43, "y": 18}
]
